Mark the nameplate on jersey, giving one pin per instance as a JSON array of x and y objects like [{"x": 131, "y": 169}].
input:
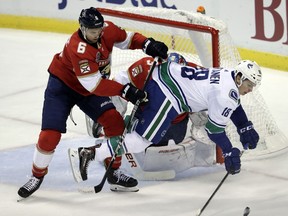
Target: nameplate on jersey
[{"x": 215, "y": 76}]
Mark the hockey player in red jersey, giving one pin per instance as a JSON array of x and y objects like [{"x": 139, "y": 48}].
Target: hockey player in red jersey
[{"x": 79, "y": 76}]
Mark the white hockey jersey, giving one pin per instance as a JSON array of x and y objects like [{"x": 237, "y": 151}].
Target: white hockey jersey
[{"x": 193, "y": 90}]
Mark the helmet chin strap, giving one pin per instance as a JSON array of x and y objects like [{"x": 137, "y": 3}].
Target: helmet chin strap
[
  {"x": 238, "y": 85},
  {"x": 83, "y": 30},
  {"x": 241, "y": 81}
]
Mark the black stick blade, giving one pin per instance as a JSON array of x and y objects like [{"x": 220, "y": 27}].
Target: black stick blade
[{"x": 98, "y": 188}]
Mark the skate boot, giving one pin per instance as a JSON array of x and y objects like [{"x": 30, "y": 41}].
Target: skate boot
[
  {"x": 121, "y": 182},
  {"x": 80, "y": 159},
  {"x": 30, "y": 187},
  {"x": 86, "y": 155}
]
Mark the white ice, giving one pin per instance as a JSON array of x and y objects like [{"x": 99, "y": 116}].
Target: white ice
[{"x": 24, "y": 58}]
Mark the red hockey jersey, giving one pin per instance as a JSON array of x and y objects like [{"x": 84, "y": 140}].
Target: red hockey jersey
[{"x": 80, "y": 64}]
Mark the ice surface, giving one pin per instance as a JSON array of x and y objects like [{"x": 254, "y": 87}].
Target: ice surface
[{"x": 24, "y": 58}]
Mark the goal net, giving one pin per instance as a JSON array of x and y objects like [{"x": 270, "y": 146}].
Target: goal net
[{"x": 205, "y": 41}]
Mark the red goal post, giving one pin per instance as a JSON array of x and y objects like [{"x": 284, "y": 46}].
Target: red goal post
[
  {"x": 205, "y": 41},
  {"x": 171, "y": 23}
]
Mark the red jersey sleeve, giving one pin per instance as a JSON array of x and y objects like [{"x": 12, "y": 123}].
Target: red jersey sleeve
[
  {"x": 191, "y": 64},
  {"x": 108, "y": 88},
  {"x": 112, "y": 34},
  {"x": 137, "y": 41},
  {"x": 125, "y": 39}
]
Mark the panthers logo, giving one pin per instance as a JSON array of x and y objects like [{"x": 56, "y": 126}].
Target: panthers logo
[
  {"x": 136, "y": 70},
  {"x": 84, "y": 66}
]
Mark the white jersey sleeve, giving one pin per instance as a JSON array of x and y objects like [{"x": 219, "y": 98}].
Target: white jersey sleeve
[
  {"x": 223, "y": 100},
  {"x": 120, "y": 103},
  {"x": 122, "y": 77}
]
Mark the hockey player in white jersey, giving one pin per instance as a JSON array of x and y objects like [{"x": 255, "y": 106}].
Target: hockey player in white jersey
[{"x": 175, "y": 89}]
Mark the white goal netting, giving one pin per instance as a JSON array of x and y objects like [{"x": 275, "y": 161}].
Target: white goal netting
[{"x": 206, "y": 42}]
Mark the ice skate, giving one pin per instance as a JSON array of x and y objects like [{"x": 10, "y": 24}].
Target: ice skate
[
  {"x": 30, "y": 187},
  {"x": 121, "y": 182},
  {"x": 80, "y": 159}
]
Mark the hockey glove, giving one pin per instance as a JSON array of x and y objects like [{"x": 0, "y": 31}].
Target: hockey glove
[
  {"x": 132, "y": 94},
  {"x": 248, "y": 135},
  {"x": 232, "y": 161},
  {"x": 155, "y": 48}
]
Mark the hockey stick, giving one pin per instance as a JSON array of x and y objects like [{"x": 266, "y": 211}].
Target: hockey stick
[
  {"x": 99, "y": 187},
  {"x": 199, "y": 212}
]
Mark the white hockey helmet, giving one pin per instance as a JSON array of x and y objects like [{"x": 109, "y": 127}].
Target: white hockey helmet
[{"x": 250, "y": 70}]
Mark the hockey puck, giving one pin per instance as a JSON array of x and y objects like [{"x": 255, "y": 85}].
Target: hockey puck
[{"x": 246, "y": 211}]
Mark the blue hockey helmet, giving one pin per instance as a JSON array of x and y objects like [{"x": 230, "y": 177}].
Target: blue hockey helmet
[
  {"x": 91, "y": 18},
  {"x": 175, "y": 57}
]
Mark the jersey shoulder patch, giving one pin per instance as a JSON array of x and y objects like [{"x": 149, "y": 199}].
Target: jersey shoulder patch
[{"x": 234, "y": 95}]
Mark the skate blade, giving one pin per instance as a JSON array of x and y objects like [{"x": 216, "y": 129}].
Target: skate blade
[
  {"x": 119, "y": 188},
  {"x": 20, "y": 199},
  {"x": 74, "y": 162}
]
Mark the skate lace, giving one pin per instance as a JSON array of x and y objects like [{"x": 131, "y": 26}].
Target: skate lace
[
  {"x": 121, "y": 176},
  {"x": 31, "y": 184}
]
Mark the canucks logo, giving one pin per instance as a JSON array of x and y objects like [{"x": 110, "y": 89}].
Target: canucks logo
[
  {"x": 250, "y": 66},
  {"x": 234, "y": 95}
]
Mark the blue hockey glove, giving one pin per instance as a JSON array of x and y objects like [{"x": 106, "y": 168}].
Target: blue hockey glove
[
  {"x": 155, "y": 48},
  {"x": 232, "y": 161},
  {"x": 248, "y": 135},
  {"x": 132, "y": 94}
]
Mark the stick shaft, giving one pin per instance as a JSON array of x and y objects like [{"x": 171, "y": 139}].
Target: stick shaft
[{"x": 215, "y": 191}]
